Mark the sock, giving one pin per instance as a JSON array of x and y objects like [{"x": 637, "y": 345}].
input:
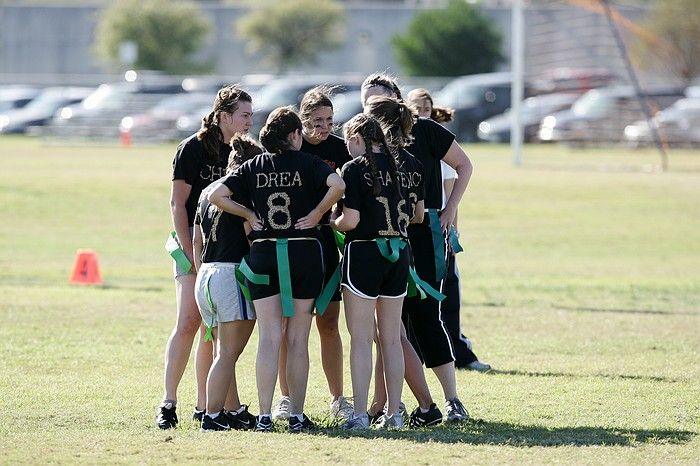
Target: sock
[
  {"x": 424, "y": 410},
  {"x": 262, "y": 415},
  {"x": 165, "y": 404},
  {"x": 298, "y": 416},
  {"x": 214, "y": 415},
  {"x": 237, "y": 411}
]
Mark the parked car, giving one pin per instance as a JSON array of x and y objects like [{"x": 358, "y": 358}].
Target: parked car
[
  {"x": 40, "y": 110},
  {"x": 497, "y": 128},
  {"x": 567, "y": 79},
  {"x": 474, "y": 98},
  {"x": 345, "y": 106},
  {"x": 16, "y": 96},
  {"x": 677, "y": 125},
  {"x": 159, "y": 122},
  {"x": 601, "y": 115},
  {"x": 190, "y": 123}
]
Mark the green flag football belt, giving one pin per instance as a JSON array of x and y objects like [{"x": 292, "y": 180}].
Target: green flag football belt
[{"x": 172, "y": 245}]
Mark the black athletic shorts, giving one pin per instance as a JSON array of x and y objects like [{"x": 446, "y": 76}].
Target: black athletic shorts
[
  {"x": 423, "y": 317},
  {"x": 368, "y": 274},
  {"x": 331, "y": 257},
  {"x": 305, "y": 266}
]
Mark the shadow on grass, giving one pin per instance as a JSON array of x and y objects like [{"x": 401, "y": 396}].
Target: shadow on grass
[
  {"x": 650, "y": 378},
  {"x": 627, "y": 311},
  {"x": 477, "y": 432}
]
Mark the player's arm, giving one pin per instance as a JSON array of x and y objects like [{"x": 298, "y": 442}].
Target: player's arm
[
  {"x": 347, "y": 221},
  {"x": 457, "y": 159},
  {"x": 197, "y": 246},
  {"x": 419, "y": 212},
  {"x": 220, "y": 196},
  {"x": 179, "y": 193},
  {"x": 336, "y": 188}
]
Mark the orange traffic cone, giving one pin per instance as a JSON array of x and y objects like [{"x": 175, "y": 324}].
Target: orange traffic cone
[
  {"x": 86, "y": 270},
  {"x": 125, "y": 137}
]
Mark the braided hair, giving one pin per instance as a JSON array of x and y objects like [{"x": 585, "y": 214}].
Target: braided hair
[
  {"x": 243, "y": 148},
  {"x": 210, "y": 133},
  {"x": 397, "y": 119},
  {"x": 385, "y": 81},
  {"x": 370, "y": 130},
  {"x": 282, "y": 122},
  {"x": 438, "y": 114}
]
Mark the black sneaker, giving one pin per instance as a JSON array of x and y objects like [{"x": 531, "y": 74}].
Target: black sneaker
[
  {"x": 297, "y": 425},
  {"x": 455, "y": 411},
  {"x": 420, "y": 419},
  {"x": 263, "y": 424},
  {"x": 166, "y": 417},
  {"x": 241, "y": 421},
  {"x": 373, "y": 419},
  {"x": 220, "y": 422},
  {"x": 198, "y": 415}
]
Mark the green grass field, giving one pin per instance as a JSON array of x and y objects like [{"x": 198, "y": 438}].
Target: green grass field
[{"x": 581, "y": 286}]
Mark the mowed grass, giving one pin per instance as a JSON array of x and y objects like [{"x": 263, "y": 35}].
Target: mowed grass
[{"x": 580, "y": 285}]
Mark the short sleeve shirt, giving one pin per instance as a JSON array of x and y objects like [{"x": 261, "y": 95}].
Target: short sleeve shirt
[
  {"x": 192, "y": 165},
  {"x": 222, "y": 233},
  {"x": 431, "y": 143},
  {"x": 281, "y": 189}
]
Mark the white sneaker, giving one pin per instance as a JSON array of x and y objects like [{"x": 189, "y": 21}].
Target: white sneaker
[
  {"x": 281, "y": 410},
  {"x": 342, "y": 408},
  {"x": 390, "y": 423},
  {"x": 479, "y": 366},
  {"x": 357, "y": 422}
]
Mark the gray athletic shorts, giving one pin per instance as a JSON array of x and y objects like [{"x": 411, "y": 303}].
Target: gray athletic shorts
[{"x": 226, "y": 297}]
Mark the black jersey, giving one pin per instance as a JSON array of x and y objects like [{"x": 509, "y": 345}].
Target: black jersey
[
  {"x": 280, "y": 188},
  {"x": 191, "y": 165},
  {"x": 431, "y": 143},
  {"x": 333, "y": 151},
  {"x": 412, "y": 184},
  {"x": 222, "y": 233},
  {"x": 386, "y": 214}
]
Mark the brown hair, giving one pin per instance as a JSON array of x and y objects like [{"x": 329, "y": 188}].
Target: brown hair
[
  {"x": 438, "y": 114},
  {"x": 315, "y": 98},
  {"x": 384, "y": 80},
  {"x": 371, "y": 132},
  {"x": 274, "y": 136},
  {"x": 243, "y": 148},
  {"x": 210, "y": 134},
  {"x": 397, "y": 119}
]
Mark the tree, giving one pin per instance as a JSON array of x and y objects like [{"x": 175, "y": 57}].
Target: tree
[
  {"x": 293, "y": 33},
  {"x": 166, "y": 33},
  {"x": 674, "y": 38},
  {"x": 452, "y": 41}
]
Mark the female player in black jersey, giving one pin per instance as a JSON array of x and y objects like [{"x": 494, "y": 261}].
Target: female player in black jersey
[
  {"x": 284, "y": 189},
  {"x": 380, "y": 201},
  {"x": 200, "y": 159},
  {"x": 421, "y": 100},
  {"x": 220, "y": 244},
  {"x": 316, "y": 113},
  {"x": 422, "y": 318}
]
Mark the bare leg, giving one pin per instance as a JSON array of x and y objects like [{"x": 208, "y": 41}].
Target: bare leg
[
  {"x": 203, "y": 357},
  {"x": 269, "y": 312},
  {"x": 389, "y": 326},
  {"x": 447, "y": 378},
  {"x": 414, "y": 374},
  {"x": 298, "y": 328},
  {"x": 282, "y": 367},
  {"x": 359, "y": 316},
  {"x": 231, "y": 340},
  {"x": 331, "y": 349},
  {"x": 179, "y": 346},
  {"x": 379, "y": 398}
]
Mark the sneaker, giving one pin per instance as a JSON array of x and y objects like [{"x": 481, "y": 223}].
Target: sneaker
[
  {"x": 241, "y": 421},
  {"x": 263, "y": 424},
  {"x": 454, "y": 411},
  {"x": 478, "y": 366},
  {"x": 281, "y": 411},
  {"x": 220, "y": 422},
  {"x": 374, "y": 418},
  {"x": 166, "y": 417},
  {"x": 357, "y": 422},
  {"x": 297, "y": 425},
  {"x": 402, "y": 410},
  {"x": 342, "y": 408},
  {"x": 420, "y": 419},
  {"x": 198, "y": 414},
  {"x": 390, "y": 423}
]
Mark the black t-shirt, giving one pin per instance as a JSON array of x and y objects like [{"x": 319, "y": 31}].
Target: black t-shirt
[
  {"x": 222, "y": 233},
  {"x": 431, "y": 143},
  {"x": 333, "y": 151},
  {"x": 384, "y": 215},
  {"x": 280, "y": 188},
  {"x": 191, "y": 165}
]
